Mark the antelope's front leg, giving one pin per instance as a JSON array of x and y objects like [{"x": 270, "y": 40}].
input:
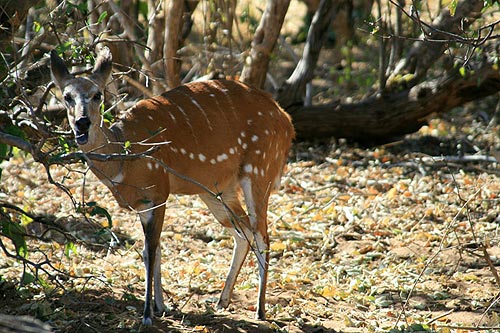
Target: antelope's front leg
[{"x": 151, "y": 216}]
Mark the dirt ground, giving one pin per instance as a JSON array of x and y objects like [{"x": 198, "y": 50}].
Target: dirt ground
[{"x": 364, "y": 239}]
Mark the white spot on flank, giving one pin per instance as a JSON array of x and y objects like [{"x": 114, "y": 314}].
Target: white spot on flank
[
  {"x": 260, "y": 113},
  {"x": 262, "y": 172},
  {"x": 175, "y": 150},
  {"x": 150, "y": 165},
  {"x": 257, "y": 152},
  {"x": 256, "y": 170},
  {"x": 202, "y": 157},
  {"x": 242, "y": 134},
  {"x": 244, "y": 146},
  {"x": 191, "y": 156},
  {"x": 239, "y": 141},
  {"x": 255, "y": 138},
  {"x": 248, "y": 168},
  {"x": 150, "y": 117},
  {"x": 267, "y": 132},
  {"x": 213, "y": 161},
  {"x": 183, "y": 151},
  {"x": 249, "y": 121},
  {"x": 222, "y": 157},
  {"x": 231, "y": 151}
]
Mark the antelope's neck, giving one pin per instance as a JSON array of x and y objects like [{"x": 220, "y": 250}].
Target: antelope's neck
[{"x": 104, "y": 140}]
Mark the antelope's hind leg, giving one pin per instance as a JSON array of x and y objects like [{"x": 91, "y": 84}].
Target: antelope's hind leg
[
  {"x": 256, "y": 194},
  {"x": 231, "y": 219}
]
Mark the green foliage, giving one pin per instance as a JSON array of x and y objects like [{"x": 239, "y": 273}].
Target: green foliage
[
  {"x": 452, "y": 7},
  {"x": 102, "y": 17},
  {"x": 5, "y": 150},
  {"x": 490, "y": 3},
  {"x": 69, "y": 248},
  {"x": 27, "y": 279},
  {"x": 15, "y": 233},
  {"x": 79, "y": 6},
  {"x": 247, "y": 17},
  {"x": 99, "y": 211},
  {"x": 64, "y": 144},
  {"x": 107, "y": 115}
]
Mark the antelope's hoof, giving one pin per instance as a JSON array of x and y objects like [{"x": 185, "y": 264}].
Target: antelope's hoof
[
  {"x": 260, "y": 315},
  {"x": 147, "y": 321}
]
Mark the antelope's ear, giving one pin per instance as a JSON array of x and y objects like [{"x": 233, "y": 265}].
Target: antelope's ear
[
  {"x": 102, "y": 67},
  {"x": 58, "y": 70}
]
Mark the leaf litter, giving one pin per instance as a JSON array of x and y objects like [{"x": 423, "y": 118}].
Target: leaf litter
[{"x": 364, "y": 239}]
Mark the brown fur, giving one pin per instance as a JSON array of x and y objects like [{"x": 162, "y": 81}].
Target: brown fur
[{"x": 223, "y": 134}]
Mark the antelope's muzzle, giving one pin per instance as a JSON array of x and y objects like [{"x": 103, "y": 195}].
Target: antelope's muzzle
[{"x": 82, "y": 126}]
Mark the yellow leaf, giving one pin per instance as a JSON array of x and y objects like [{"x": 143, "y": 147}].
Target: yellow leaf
[
  {"x": 278, "y": 246},
  {"x": 329, "y": 291},
  {"x": 392, "y": 193}
]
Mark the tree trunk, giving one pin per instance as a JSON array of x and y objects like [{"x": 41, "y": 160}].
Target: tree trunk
[
  {"x": 379, "y": 119},
  {"x": 293, "y": 90},
  {"x": 154, "y": 52},
  {"x": 265, "y": 38},
  {"x": 173, "y": 28}
]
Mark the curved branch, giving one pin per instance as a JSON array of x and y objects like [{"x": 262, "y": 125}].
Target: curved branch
[
  {"x": 293, "y": 90},
  {"x": 383, "y": 117},
  {"x": 433, "y": 42},
  {"x": 265, "y": 38}
]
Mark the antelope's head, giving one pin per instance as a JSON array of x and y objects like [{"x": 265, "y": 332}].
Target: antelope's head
[{"x": 82, "y": 95}]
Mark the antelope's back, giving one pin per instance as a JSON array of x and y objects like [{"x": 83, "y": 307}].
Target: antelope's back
[{"x": 222, "y": 124}]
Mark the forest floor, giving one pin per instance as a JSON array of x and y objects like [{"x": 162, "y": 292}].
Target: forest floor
[{"x": 401, "y": 237}]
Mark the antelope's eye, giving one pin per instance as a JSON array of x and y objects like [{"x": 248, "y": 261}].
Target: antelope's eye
[
  {"x": 68, "y": 98},
  {"x": 97, "y": 96}
]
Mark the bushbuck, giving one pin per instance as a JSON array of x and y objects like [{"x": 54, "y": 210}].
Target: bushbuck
[{"x": 222, "y": 134}]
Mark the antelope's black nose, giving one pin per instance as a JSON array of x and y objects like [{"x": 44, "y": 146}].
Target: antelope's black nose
[
  {"x": 82, "y": 124},
  {"x": 82, "y": 130}
]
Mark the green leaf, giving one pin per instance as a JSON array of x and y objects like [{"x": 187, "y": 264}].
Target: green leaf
[
  {"x": 27, "y": 278},
  {"x": 4, "y": 149},
  {"x": 453, "y": 7},
  {"x": 25, "y": 220},
  {"x": 64, "y": 144},
  {"x": 99, "y": 211},
  {"x": 462, "y": 71},
  {"x": 103, "y": 15},
  {"x": 15, "y": 233},
  {"x": 107, "y": 115},
  {"x": 36, "y": 26},
  {"x": 69, "y": 248}
]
